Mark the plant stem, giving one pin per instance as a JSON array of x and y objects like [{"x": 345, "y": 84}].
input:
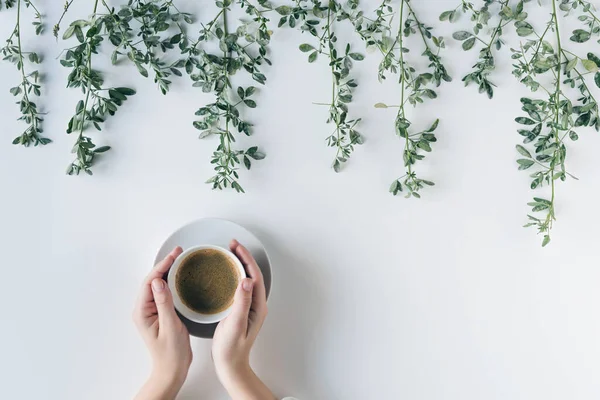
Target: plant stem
[
  {"x": 541, "y": 39},
  {"x": 499, "y": 27},
  {"x": 419, "y": 24},
  {"x": 67, "y": 5},
  {"x": 401, "y": 111},
  {"x": 557, "y": 111},
  {"x": 564, "y": 52},
  {"x": 34, "y": 7},
  {"x": 22, "y": 64},
  {"x": 327, "y": 32},
  {"x": 89, "y": 87},
  {"x": 214, "y": 21},
  {"x": 226, "y": 54}
]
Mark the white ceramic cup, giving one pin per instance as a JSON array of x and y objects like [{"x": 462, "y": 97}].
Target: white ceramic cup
[{"x": 180, "y": 306}]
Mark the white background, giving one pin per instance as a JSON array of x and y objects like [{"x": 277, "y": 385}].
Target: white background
[{"x": 374, "y": 297}]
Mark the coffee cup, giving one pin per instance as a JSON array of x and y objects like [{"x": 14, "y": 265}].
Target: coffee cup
[{"x": 203, "y": 281}]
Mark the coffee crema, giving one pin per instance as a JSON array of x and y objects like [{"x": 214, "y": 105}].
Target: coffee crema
[{"x": 207, "y": 280}]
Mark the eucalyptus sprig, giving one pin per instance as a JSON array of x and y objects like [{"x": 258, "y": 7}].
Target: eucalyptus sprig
[
  {"x": 587, "y": 15},
  {"x": 487, "y": 34},
  {"x": 142, "y": 30},
  {"x": 99, "y": 102},
  {"x": 7, "y": 3},
  {"x": 553, "y": 118},
  {"x": 56, "y": 27},
  {"x": 309, "y": 15},
  {"x": 29, "y": 84},
  {"x": 243, "y": 49},
  {"x": 415, "y": 85}
]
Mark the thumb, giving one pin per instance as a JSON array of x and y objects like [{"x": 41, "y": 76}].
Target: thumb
[
  {"x": 164, "y": 303},
  {"x": 241, "y": 304}
]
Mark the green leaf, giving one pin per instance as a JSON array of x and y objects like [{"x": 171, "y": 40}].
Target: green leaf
[
  {"x": 580, "y": 36},
  {"x": 93, "y": 31},
  {"x": 461, "y": 35},
  {"x": 571, "y": 64},
  {"x": 312, "y": 57},
  {"x": 337, "y": 165},
  {"x": 524, "y": 163},
  {"x": 454, "y": 16},
  {"x": 546, "y": 240},
  {"x": 424, "y": 145},
  {"x": 125, "y": 91},
  {"x": 433, "y": 126},
  {"x": 305, "y": 47},
  {"x": 356, "y": 56},
  {"x": 573, "y": 135},
  {"x": 257, "y": 155},
  {"x": 524, "y": 31},
  {"x": 445, "y": 15},
  {"x": 594, "y": 58},
  {"x": 102, "y": 149},
  {"x": 525, "y": 121},
  {"x": 380, "y": 105},
  {"x": 143, "y": 71},
  {"x": 250, "y": 103},
  {"x": 589, "y": 65},
  {"x": 69, "y": 32},
  {"x": 200, "y": 125},
  {"x": 468, "y": 44},
  {"x": 116, "y": 95},
  {"x": 395, "y": 187},
  {"x": 283, "y": 10},
  {"x": 597, "y": 79},
  {"x": 523, "y": 151},
  {"x": 79, "y": 34}
]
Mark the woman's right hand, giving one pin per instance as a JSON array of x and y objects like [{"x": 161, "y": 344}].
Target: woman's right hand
[
  {"x": 165, "y": 335},
  {"x": 235, "y": 335}
]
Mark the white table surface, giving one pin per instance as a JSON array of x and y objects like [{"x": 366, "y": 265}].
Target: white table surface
[{"x": 375, "y": 296}]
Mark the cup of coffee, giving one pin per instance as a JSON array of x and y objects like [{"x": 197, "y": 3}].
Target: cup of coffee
[{"x": 203, "y": 281}]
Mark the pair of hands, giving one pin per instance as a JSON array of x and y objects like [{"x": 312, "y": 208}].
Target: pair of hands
[{"x": 168, "y": 340}]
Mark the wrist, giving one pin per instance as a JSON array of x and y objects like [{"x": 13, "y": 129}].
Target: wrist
[
  {"x": 160, "y": 386},
  {"x": 241, "y": 383},
  {"x": 233, "y": 376},
  {"x": 168, "y": 383}
]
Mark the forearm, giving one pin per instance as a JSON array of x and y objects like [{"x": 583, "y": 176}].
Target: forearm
[
  {"x": 159, "y": 388},
  {"x": 245, "y": 385}
]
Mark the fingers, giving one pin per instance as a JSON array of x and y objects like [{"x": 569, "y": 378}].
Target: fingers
[
  {"x": 163, "y": 266},
  {"x": 167, "y": 318},
  {"x": 242, "y": 303},
  {"x": 254, "y": 272},
  {"x": 258, "y": 311},
  {"x": 145, "y": 297},
  {"x": 158, "y": 271}
]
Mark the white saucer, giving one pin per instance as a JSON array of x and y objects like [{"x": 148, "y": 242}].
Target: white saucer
[{"x": 217, "y": 232}]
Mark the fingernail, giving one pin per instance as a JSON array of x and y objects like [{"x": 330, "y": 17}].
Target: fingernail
[
  {"x": 247, "y": 284},
  {"x": 158, "y": 285}
]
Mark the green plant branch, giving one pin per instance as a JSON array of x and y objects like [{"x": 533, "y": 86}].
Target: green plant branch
[
  {"x": 401, "y": 112},
  {"x": 25, "y": 81},
  {"x": 28, "y": 85}
]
